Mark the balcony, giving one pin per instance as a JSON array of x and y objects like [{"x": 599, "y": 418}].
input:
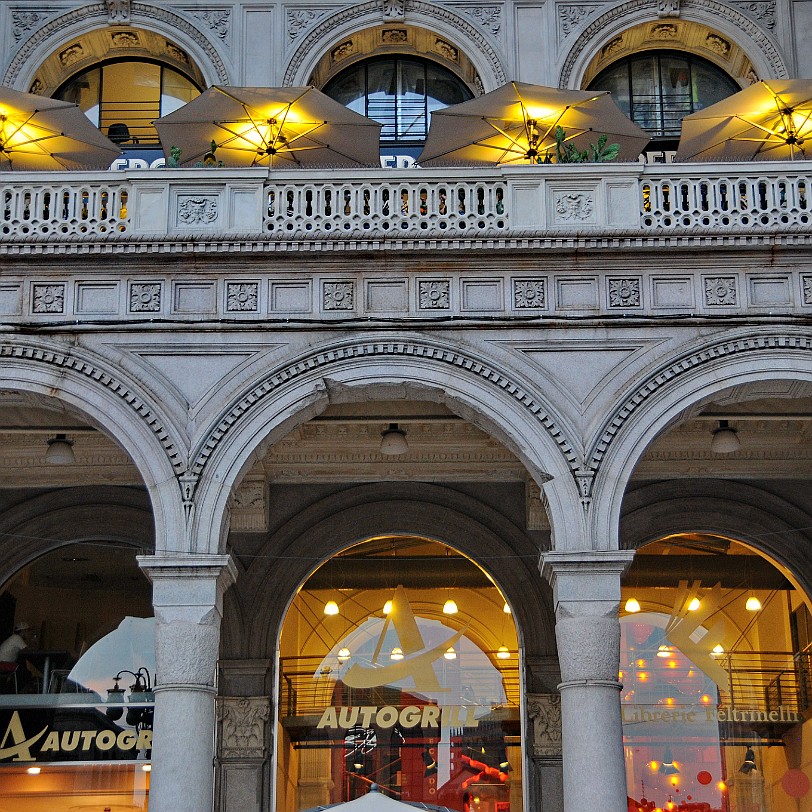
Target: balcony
[{"x": 540, "y": 206}]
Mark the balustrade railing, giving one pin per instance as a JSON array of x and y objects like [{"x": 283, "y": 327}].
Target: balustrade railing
[{"x": 630, "y": 199}]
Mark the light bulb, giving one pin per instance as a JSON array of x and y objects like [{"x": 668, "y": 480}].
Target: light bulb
[
  {"x": 718, "y": 649},
  {"x": 663, "y": 651},
  {"x": 450, "y": 607},
  {"x": 753, "y": 604},
  {"x": 343, "y": 654},
  {"x": 503, "y": 653},
  {"x": 387, "y": 607},
  {"x": 34, "y": 770},
  {"x": 450, "y": 654},
  {"x": 397, "y": 654},
  {"x": 694, "y": 604},
  {"x": 632, "y": 605},
  {"x": 506, "y": 608},
  {"x": 331, "y": 608}
]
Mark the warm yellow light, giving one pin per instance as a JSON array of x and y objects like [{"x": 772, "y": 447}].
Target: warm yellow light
[
  {"x": 672, "y": 663},
  {"x": 450, "y": 654},
  {"x": 663, "y": 651},
  {"x": 343, "y": 654},
  {"x": 641, "y": 663},
  {"x": 722, "y": 786},
  {"x": 669, "y": 700},
  {"x": 387, "y": 607},
  {"x": 34, "y": 770},
  {"x": 632, "y": 605},
  {"x": 331, "y": 608},
  {"x": 506, "y": 608},
  {"x": 694, "y": 604},
  {"x": 654, "y": 766},
  {"x": 705, "y": 699},
  {"x": 503, "y": 653},
  {"x": 147, "y": 768},
  {"x": 397, "y": 654},
  {"x": 718, "y": 649},
  {"x": 753, "y": 604},
  {"x": 450, "y": 607},
  {"x": 642, "y": 676}
]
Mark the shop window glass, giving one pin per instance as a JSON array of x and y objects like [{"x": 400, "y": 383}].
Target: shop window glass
[
  {"x": 656, "y": 89},
  {"x": 400, "y": 93},
  {"x": 123, "y": 98},
  {"x": 76, "y": 702},
  {"x": 713, "y": 686},
  {"x": 395, "y": 688}
]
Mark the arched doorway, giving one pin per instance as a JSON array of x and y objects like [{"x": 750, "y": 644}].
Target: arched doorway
[
  {"x": 399, "y": 666},
  {"x": 715, "y": 665}
]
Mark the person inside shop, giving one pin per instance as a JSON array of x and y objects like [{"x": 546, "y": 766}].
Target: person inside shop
[{"x": 10, "y": 649}]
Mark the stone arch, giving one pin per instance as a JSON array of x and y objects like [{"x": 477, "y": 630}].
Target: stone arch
[
  {"x": 747, "y": 513},
  {"x": 694, "y": 376},
  {"x": 756, "y": 42},
  {"x": 72, "y": 515},
  {"x": 338, "y": 521},
  {"x": 63, "y": 29},
  {"x": 115, "y": 405},
  {"x": 501, "y": 403},
  {"x": 468, "y": 38}
]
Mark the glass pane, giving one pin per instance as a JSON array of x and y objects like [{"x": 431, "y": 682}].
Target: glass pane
[
  {"x": 646, "y": 104},
  {"x": 676, "y": 92},
  {"x": 409, "y": 680},
  {"x": 714, "y": 701},
  {"x": 177, "y": 90},
  {"x": 84, "y": 90},
  {"x": 131, "y": 93}
]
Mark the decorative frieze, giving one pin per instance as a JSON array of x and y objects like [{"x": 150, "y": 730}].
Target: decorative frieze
[
  {"x": 243, "y": 720},
  {"x": 145, "y": 297},
  {"x": 434, "y": 295},
  {"x": 125, "y": 39},
  {"x": 249, "y": 508},
  {"x": 574, "y": 206},
  {"x": 48, "y": 298},
  {"x": 72, "y": 54},
  {"x": 720, "y": 291},
  {"x": 719, "y": 45},
  {"x": 544, "y": 711}
]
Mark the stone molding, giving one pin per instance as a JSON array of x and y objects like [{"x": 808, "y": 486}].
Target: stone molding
[
  {"x": 544, "y": 712},
  {"x": 688, "y": 362},
  {"x": 96, "y": 373},
  {"x": 97, "y": 15},
  {"x": 633, "y": 12},
  {"x": 243, "y": 721},
  {"x": 417, "y": 12}
]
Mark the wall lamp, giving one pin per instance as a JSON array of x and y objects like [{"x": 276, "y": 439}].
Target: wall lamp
[{"x": 140, "y": 692}]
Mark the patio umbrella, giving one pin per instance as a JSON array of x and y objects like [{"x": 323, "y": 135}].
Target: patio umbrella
[
  {"x": 41, "y": 133},
  {"x": 769, "y": 120},
  {"x": 377, "y": 801},
  {"x": 517, "y": 123},
  {"x": 276, "y": 126}
]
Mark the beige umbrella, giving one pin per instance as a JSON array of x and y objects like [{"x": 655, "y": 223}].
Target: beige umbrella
[
  {"x": 276, "y": 126},
  {"x": 41, "y": 133},
  {"x": 768, "y": 120},
  {"x": 517, "y": 123}
]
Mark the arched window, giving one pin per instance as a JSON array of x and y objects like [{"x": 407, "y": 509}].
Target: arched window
[
  {"x": 400, "y": 92},
  {"x": 123, "y": 98},
  {"x": 656, "y": 89}
]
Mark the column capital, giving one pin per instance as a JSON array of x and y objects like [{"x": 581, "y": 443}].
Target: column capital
[{"x": 585, "y": 578}]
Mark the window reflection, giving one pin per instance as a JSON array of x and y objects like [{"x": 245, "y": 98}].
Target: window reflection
[
  {"x": 123, "y": 98},
  {"x": 657, "y": 89}
]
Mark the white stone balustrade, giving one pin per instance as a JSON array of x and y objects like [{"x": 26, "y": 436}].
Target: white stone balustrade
[{"x": 615, "y": 200}]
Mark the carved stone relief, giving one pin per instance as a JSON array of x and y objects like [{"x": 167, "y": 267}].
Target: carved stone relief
[
  {"x": 243, "y": 722},
  {"x": 125, "y": 39},
  {"x": 299, "y": 20},
  {"x": 338, "y": 296},
  {"x": 197, "y": 209},
  {"x": 544, "y": 711},
  {"x": 761, "y": 10},
  {"x": 71, "y": 54},
  {"x": 176, "y": 53},
  {"x": 717, "y": 44},
  {"x": 447, "y": 50},
  {"x": 249, "y": 509},
  {"x": 22, "y": 21},
  {"x": 394, "y": 36},
  {"x": 145, "y": 297},
  {"x": 570, "y": 18},
  {"x": 614, "y": 44},
  {"x": 342, "y": 50},
  {"x": 574, "y": 206},
  {"x": 49, "y": 298},
  {"x": 529, "y": 293},
  {"x": 663, "y": 31},
  {"x": 393, "y": 9},
  {"x": 118, "y": 11},
  {"x": 668, "y": 8},
  {"x": 624, "y": 292},
  {"x": 489, "y": 17},
  {"x": 434, "y": 295},
  {"x": 720, "y": 291},
  {"x": 218, "y": 21},
  {"x": 242, "y": 296},
  {"x": 807, "y": 286}
]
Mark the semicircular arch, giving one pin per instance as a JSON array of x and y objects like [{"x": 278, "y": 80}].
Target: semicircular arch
[
  {"x": 451, "y": 26},
  {"x": 760, "y": 47},
  {"x": 342, "y": 520},
  {"x": 695, "y": 376},
  {"x": 476, "y": 388},
  {"x": 65, "y": 29}
]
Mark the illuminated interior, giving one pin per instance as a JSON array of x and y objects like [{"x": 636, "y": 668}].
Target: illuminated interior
[
  {"x": 76, "y": 707},
  {"x": 400, "y": 667},
  {"x": 715, "y": 667}
]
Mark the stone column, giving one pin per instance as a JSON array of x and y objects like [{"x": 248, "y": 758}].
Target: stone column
[
  {"x": 586, "y": 596},
  {"x": 188, "y": 600}
]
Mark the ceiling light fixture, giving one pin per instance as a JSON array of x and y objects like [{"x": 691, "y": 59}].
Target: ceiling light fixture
[
  {"x": 60, "y": 451},
  {"x": 753, "y": 604},
  {"x": 397, "y": 654},
  {"x": 694, "y": 604},
  {"x": 387, "y": 607},
  {"x": 450, "y": 607},
  {"x": 393, "y": 441},
  {"x": 503, "y": 653},
  {"x": 749, "y": 763},
  {"x": 632, "y": 605},
  {"x": 331, "y": 608},
  {"x": 506, "y": 609},
  {"x": 725, "y": 439},
  {"x": 450, "y": 654},
  {"x": 343, "y": 654}
]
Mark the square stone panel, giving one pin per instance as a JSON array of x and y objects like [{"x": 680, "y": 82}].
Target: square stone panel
[
  {"x": 290, "y": 297},
  {"x": 11, "y": 299},
  {"x": 673, "y": 292},
  {"x": 100, "y": 298},
  {"x": 576, "y": 293},
  {"x": 194, "y": 297},
  {"x": 483, "y": 294},
  {"x": 387, "y": 296},
  {"x": 770, "y": 291}
]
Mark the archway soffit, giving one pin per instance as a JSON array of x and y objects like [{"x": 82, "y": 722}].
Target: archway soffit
[
  {"x": 96, "y": 14},
  {"x": 707, "y": 10},
  {"x": 312, "y": 47}
]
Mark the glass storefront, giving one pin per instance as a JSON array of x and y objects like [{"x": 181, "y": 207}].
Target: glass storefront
[
  {"x": 400, "y": 667},
  {"x": 76, "y": 680},
  {"x": 715, "y": 666}
]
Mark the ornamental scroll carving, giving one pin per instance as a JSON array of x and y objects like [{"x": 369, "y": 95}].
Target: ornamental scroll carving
[
  {"x": 574, "y": 206},
  {"x": 243, "y": 726},
  {"x": 544, "y": 711},
  {"x": 197, "y": 210}
]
